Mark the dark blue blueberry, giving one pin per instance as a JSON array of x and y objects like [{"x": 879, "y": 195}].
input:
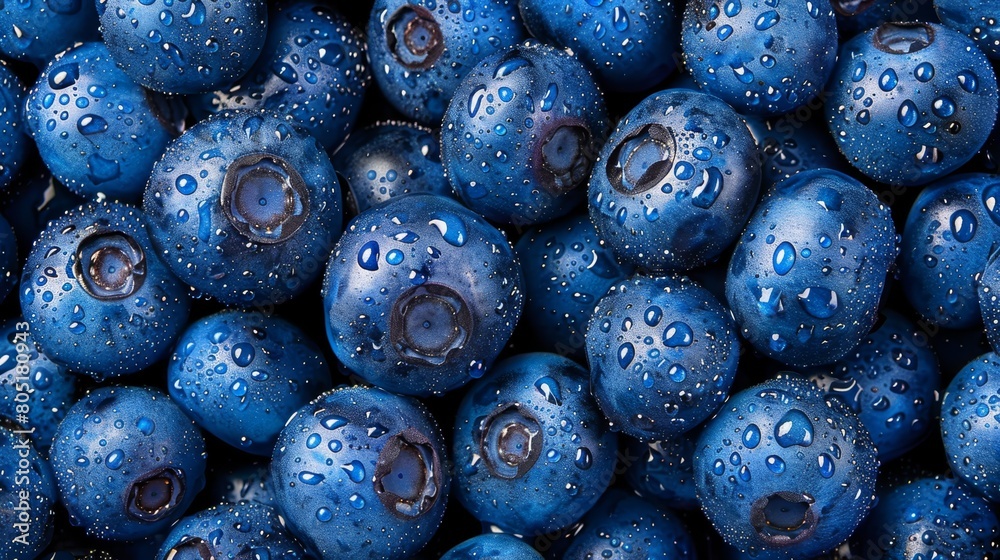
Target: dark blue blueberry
[
  {"x": 858, "y": 16},
  {"x": 313, "y": 68},
  {"x": 662, "y": 471},
  {"x": 245, "y": 207},
  {"x": 805, "y": 280},
  {"x": 34, "y": 391},
  {"x": 36, "y": 31},
  {"x": 388, "y": 160},
  {"x": 240, "y": 375},
  {"x": 676, "y": 181},
  {"x": 245, "y": 482},
  {"x": 97, "y": 131},
  {"x": 911, "y": 102},
  {"x": 361, "y": 473},
  {"x": 421, "y": 49},
  {"x": 969, "y": 429},
  {"x": 532, "y": 451},
  {"x": 952, "y": 229},
  {"x": 891, "y": 380},
  {"x": 492, "y": 546},
  {"x": 630, "y": 45},
  {"x": 781, "y": 469},
  {"x": 989, "y": 299},
  {"x": 96, "y": 295},
  {"x": 928, "y": 518},
  {"x": 27, "y": 514},
  {"x": 35, "y": 199},
  {"x": 979, "y": 19},
  {"x": 421, "y": 295},
  {"x": 8, "y": 259},
  {"x": 14, "y": 144},
  {"x": 245, "y": 530},
  {"x": 567, "y": 268},
  {"x": 761, "y": 57},
  {"x": 790, "y": 144},
  {"x": 625, "y": 526},
  {"x": 184, "y": 48},
  {"x": 663, "y": 353},
  {"x": 521, "y": 134},
  {"x": 128, "y": 462}
]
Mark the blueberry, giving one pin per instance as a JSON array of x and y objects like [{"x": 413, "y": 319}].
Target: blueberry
[
  {"x": 97, "y": 297},
  {"x": 245, "y": 482},
  {"x": 313, "y": 68},
  {"x": 521, "y": 134},
  {"x": 492, "y": 546},
  {"x": 388, "y": 160},
  {"x": 240, "y": 375},
  {"x": 661, "y": 471},
  {"x": 968, "y": 428},
  {"x": 950, "y": 232},
  {"x": 789, "y": 144},
  {"x": 676, "y": 182},
  {"x": 567, "y": 268},
  {"x": 422, "y": 50},
  {"x": 806, "y": 277},
  {"x": 911, "y": 102},
  {"x": 14, "y": 144},
  {"x": 781, "y": 469},
  {"x": 765, "y": 58},
  {"x": 27, "y": 514},
  {"x": 631, "y": 45},
  {"x": 929, "y": 518},
  {"x": 421, "y": 295},
  {"x": 245, "y": 530},
  {"x": 8, "y": 259},
  {"x": 979, "y": 19},
  {"x": 361, "y": 473},
  {"x": 30, "y": 380},
  {"x": 858, "y": 16},
  {"x": 663, "y": 353},
  {"x": 623, "y": 525},
  {"x": 532, "y": 451},
  {"x": 97, "y": 131},
  {"x": 191, "y": 48},
  {"x": 989, "y": 299},
  {"x": 37, "y": 31},
  {"x": 127, "y": 462},
  {"x": 245, "y": 206}
]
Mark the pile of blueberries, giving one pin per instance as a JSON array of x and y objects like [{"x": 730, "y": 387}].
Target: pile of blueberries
[{"x": 642, "y": 279}]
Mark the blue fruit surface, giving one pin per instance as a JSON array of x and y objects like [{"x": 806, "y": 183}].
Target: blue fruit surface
[
  {"x": 245, "y": 530},
  {"x": 27, "y": 506},
  {"x": 37, "y": 30},
  {"x": 14, "y": 143},
  {"x": 976, "y": 18},
  {"x": 492, "y": 546},
  {"x": 968, "y": 426}
]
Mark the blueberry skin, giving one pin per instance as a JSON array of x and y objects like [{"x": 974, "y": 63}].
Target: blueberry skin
[
  {"x": 14, "y": 143},
  {"x": 949, "y": 234},
  {"x": 128, "y": 462},
  {"x": 49, "y": 386},
  {"x": 188, "y": 49},
  {"x": 764, "y": 58},
  {"x": 788, "y": 144},
  {"x": 422, "y": 49},
  {"x": 96, "y": 130},
  {"x": 663, "y": 353},
  {"x": 970, "y": 436},
  {"x": 389, "y": 160},
  {"x": 244, "y": 530},
  {"x": 631, "y": 46},
  {"x": 662, "y": 471},
  {"x": 567, "y": 268},
  {"x": 532, "y": 452},
  {"x": 521, "y": 134},
  {"x": 45, "y": 29},
  {"x": 975, "y": 18},
  {"x": 676, "y": 182},
  {"x": 421, "y": 295},
  {"x": 989, "y": 299},
  {"x": 203, "y": 202},
  {"x": 805, "y": 280},
  {"x": 313, "y": 67},
  {"x": 929, "y": 518},
  {"x": 360, "y": 472},
  {"x": 96, "y": 295},
  {"x": 643, "y": 530},
  {"x": 854, "y": 17},
  {"x": 9, "y": 264},
  {"x": 492, "y": 546},
  {"x": 779, "y": 469},
  {"x": 911, "y": 102},
  {"x": 241, "y": 375},
  {"x": 27, "y": 505}
]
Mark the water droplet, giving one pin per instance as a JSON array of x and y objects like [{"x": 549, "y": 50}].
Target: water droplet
[
  {"x": 963, "y": 225},
  {"x": 450, "y": 226},
  {"x": 888, "y": 80},
  {"x": 751, "y": 436},
  {"x": 677, "y": 373},
  {"x": 718, "y": 467},
  {"x": 313, "y": 441},
  {"x": 794, "y": 428},
  {"x": 549, "y": 99},
  {"x": 115, "y": 459},
  {"x": 775, "y": 464},
  {"x": 355, "y": 471},
  {"x": 243, "y": 354},
  {"x": 826, "y": 466},
  {"x": 368, "y": 256},
  {"x": 619, "y": 18},
  {"x": 653, "y": 315},
  {"x": 818, "y": 302},
  {"x": 357, "y": 501},
  {"x": 784, "y": 258},
  {"x": 908, "y": 113},
  {"x": 145, "y": 425},
  {"x": 767, "y": 20},
  {"x": 324, "y": 514},
  {"x": 333, "y": 422},
  {"x": 924, "y": 72},
  {"x": 549, "y": 388},
  {"x": 706, "y": 193},
  {"x": 584, "y": 459},
  {"x": 310, "y": 478},
  {"x": 626, "y": 352},
  {"x": 678, "y": 334},
  {"x": 239, "y": 388}
]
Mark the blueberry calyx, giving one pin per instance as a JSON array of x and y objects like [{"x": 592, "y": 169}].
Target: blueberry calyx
[
  {"x": 851, "y": 7},
  {"x": 408, "y": 474},
  {"x": 642, "y": 160},
  {"x": 510, "y": 441},
  {"x": 110, "y": 265},
  {"x": 414, "y": 37},
  {"x": 191, "y": 548},
  {"x": 784, "y": 518},
  {"x": 154, "y": 496},
  {"x": 903, "y": 38},
  {"x": 264, "y": 198},
  {"x": 429, "y": 323},
  {"x": 566, "y": 154}
]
